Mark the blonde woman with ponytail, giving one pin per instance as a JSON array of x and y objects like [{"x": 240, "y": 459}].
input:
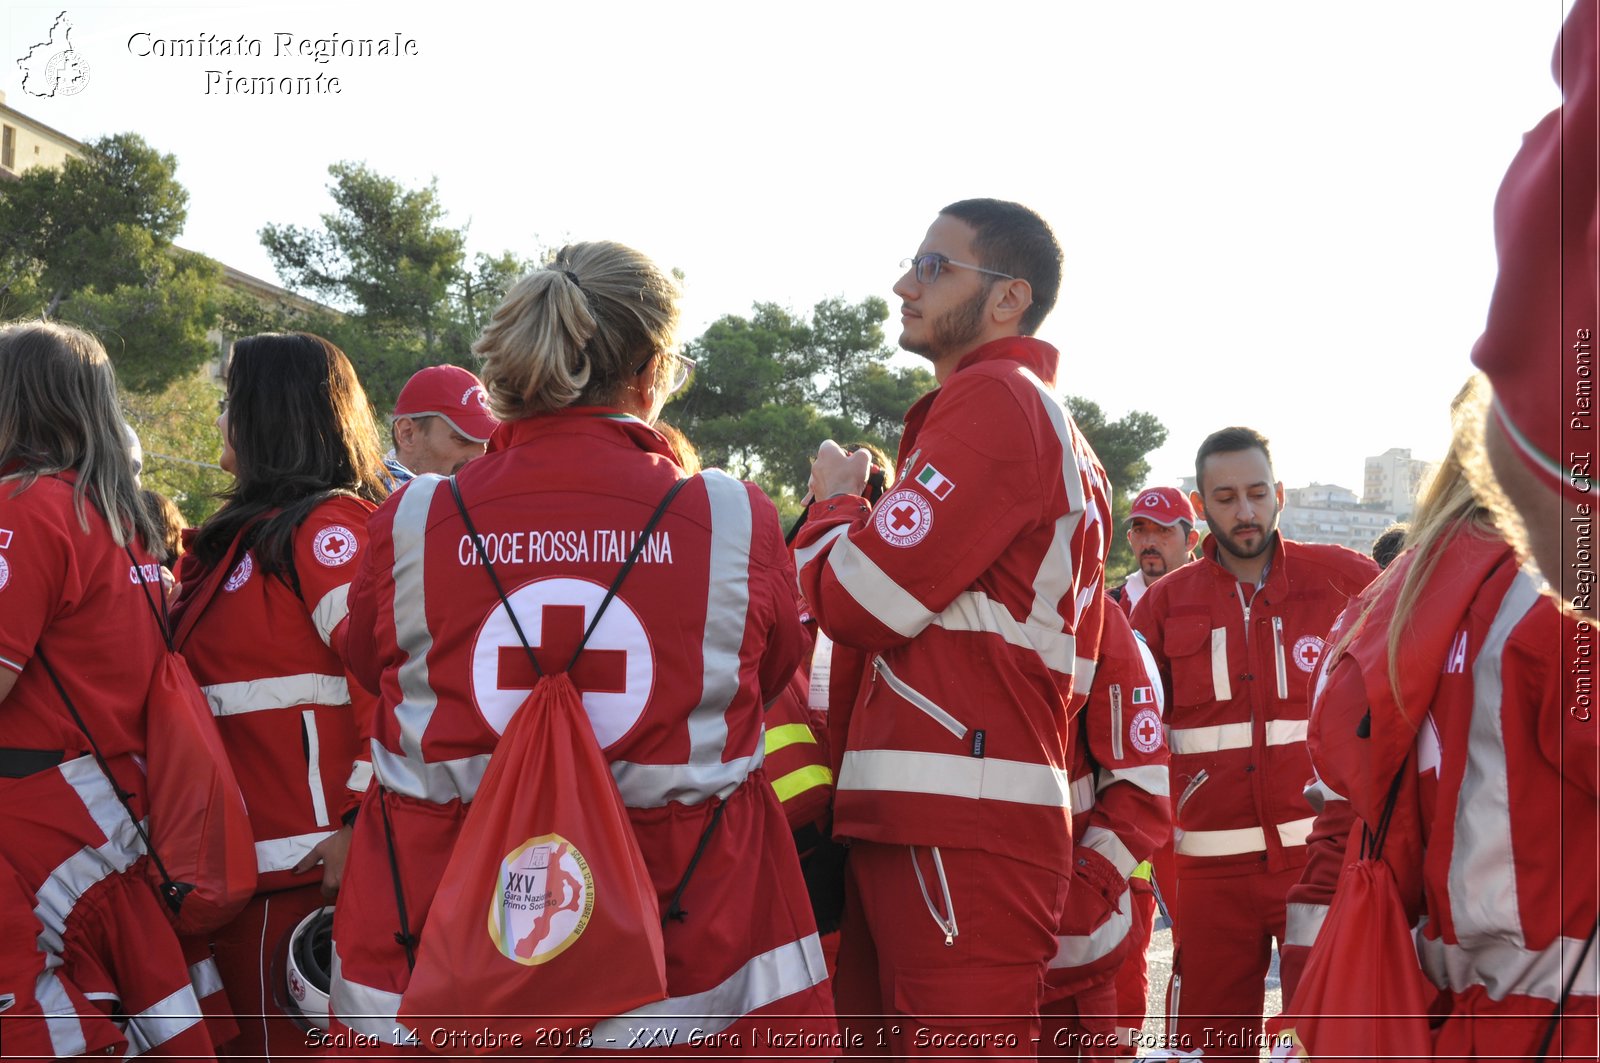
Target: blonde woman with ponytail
[
  {"x": 85, "y": 934},
  {"x": 578, "y": 362},
  {"x": 1453, "y": 680}
]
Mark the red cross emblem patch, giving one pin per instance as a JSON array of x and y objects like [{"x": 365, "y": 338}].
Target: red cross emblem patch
[
  {"x": 1145, "y": 731},
  {"x": 903, "y": 518},
  {"x": 334, "y": 545}
]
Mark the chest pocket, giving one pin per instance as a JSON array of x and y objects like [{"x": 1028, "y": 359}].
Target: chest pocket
[{"x": 1199, "y": 661}]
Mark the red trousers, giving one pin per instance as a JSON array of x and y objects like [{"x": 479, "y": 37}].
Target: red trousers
[
  {"x": 1082, "y": 1026},
  {"x": 1220, "y": 967},
  {"x": 902, "y": 991},
  {"x": 84, "y": 935},
  {"x": 248, "y": 951},
  {"x": 1132, "y": 987}
]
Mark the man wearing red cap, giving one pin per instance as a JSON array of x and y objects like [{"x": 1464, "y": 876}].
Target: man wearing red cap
[
  {"x": 1235, "y": 636},
  {"x": 441, "y": 422},
  {"x": 1161, "y": 533}
]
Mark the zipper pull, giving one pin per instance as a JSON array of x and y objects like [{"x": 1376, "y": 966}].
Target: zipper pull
[{"x": 949, "y": 939}]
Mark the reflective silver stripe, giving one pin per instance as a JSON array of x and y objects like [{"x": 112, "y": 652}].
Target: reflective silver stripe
[
  {"x": 767, "y": 978},
  {"x": 205, "y": 978},
  {"x": 974, "y": 778},
  {"x": 280, "y": 854},
  {"x": 366, "y": 1010},
  {"x": 918, "y": 699},
  {"x": 1054, "y": 580},
  {"x": 803, "y": 556},
  {"x": 162, "y": 1021},
  {"x": 1504, "y": 968},
  {"x": 319, "y": 801},
  {"x": 1483, "y": 875},
  {"x": 1083, "y": 794},
  {"x": 277, "y": 692},
  {"x": 1218, "y": 737},
  {"x": 727, "y": 608},
  {"x": 888, "y": 603},
  {"x": 1303, "y": 922},
  {"x": 1221, "y": 685},
  {"x": 1152, "y": 674},
  {"x": 1277, "y": 647},
  {"x": 77, "y": 874},
  {"x": 1110, "y": 846},
  {"x": 654, "y": 785},
  {"x": 1240, "y": 840},
  {"x": 1077, "y": 950},
  {"x": 60, "y": 1019},
  {"x": 439, "y": 781},
  {"x": 15, "y": 666},
  {"x": 976, "y": 611},
  {"x": 417, "y": 699},
  {"x": 1151, "y": 778},
  {"x": 360, "y": 776},
  {"x": 1082, "y": 670},
  {"x": 330, "y": 612}
]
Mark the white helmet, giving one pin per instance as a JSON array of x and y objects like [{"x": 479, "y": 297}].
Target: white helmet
[{"x": 307, "y": 965}]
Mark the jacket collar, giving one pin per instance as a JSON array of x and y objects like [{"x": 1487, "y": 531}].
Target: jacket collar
[
  {"x": 1277, "y": 581},
  {"x": 1034, "y": 355},
  {"x": 595, "y": 421}
]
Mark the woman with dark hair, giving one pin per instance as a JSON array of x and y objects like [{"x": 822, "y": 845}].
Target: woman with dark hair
[
  {"x": 700, "y": 635},
  {"x": 260, "y": 616},
  {"x": 83, "y": 936}
]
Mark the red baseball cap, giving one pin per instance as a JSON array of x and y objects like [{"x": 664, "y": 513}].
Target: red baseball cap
[
  {"x": 1164, "y": 505},
  {"x": 450, "y": 392}
]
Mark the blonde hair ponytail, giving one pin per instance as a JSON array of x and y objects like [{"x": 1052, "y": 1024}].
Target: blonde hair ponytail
[{"x": 574, "y": 332}]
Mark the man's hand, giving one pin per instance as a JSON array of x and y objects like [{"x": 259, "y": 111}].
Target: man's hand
[
  {"x": 330, "y": 852},
  {"x": 837, "y": 473}
]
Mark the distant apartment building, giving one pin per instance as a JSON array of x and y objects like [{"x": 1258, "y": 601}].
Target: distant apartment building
[
  {"x": 1327, "y": 513},
  {"x": 1393, "y": 479}
]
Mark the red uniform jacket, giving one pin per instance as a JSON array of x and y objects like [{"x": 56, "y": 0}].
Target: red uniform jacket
[
  {"x": 1236, "y": 680},
  {"x": 975, "y": 586},
  {"x": 701, "y": 636},
  {"x": 269, "y": 662},
  {"x": 1494, "y": 835},
  {"x": 1121, "y": 813}
]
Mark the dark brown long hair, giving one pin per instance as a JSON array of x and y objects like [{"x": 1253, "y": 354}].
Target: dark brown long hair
[{"x": 302, "y": 432}]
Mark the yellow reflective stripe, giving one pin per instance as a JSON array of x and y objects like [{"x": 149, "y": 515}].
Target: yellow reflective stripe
[
  {"x": 802, "y": 779},
  {"x": 787, "y": 735},
  {"x": 1142, "y": 871}
]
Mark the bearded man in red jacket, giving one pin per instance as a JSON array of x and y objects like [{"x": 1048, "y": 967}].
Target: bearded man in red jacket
[{"x": 974, "y": 591}]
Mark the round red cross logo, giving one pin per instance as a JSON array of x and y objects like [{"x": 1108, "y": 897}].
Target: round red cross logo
[
  {"x": 903, "y": 518},
  {"x": 1145, "y": 731},
  {"x": 241, "y": 573},
  {"x": 5, "y": 573},
  {"x": 334, "y": 545},
  {"x": 1307, "y": 651}
]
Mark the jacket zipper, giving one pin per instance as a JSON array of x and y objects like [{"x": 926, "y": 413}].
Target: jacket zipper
[
  {"x": 1277, "y": 645},
  {"x": 1116, "y": 721},
  {"x": 1188, "y": 791},
  {"x": 917, "y": 698}
]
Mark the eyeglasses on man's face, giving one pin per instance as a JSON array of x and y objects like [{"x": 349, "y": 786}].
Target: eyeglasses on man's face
[
  {"x": 927, "y": 267},
  {"x": 682, "y": 366}
]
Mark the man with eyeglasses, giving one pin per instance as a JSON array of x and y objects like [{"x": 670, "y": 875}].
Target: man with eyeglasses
[
  {"x": 974, "y": 588},
  {"x": 441, "y": 422}
]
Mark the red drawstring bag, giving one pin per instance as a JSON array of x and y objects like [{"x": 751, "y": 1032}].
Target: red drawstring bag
[
  {"x": 1363, "y": 994},
  {"x": 203, "y": 854},
  {"x": 546, "y": 902}
]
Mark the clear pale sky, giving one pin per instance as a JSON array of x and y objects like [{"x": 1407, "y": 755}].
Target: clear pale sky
[{"x": 1274, "y": 212}]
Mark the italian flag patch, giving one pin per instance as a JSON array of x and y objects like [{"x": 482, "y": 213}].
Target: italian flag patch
[
  {"x": 937, "y": 483},
  {"x": 1143, "y": 696}
]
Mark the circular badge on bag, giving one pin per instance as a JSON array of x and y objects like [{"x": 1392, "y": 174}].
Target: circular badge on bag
[
  {"x": 1307, "y": 651},
  {"x": 1145, "y": 731},
  {"x": 241, "y": 573},
  {"x": 543, "y": 899},
  {"x": 334, "y": 545},
  {"x": 903, "y": 518},
  {"x": 5, "y": 573}
]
